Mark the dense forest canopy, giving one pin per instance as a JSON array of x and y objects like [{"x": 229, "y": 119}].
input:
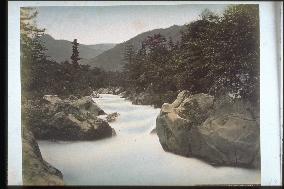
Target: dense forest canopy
[{"x": 217, "y": 54}]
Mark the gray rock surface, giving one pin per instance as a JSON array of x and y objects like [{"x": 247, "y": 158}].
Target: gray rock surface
[
  {"x": 36, "y": 171},
  {"x": 95, "y": 95},
  {"x": 221, "y": 132},
  {"x": 154, "y": 131},
  {"x": 87, "y": 105},
  {"x": 66, "y": 120},
  {"x": 52, "y": 98},
  {"x": 112, "y": 117}
]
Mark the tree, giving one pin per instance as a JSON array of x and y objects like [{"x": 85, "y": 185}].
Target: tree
[
  {"x": 220, "y": 55},
  {"x": 31, "y": 47},
  {"x": 131, "y": 68},
  {"x": 128, "y": 53},
  {"x": 32, "y": 52},
  {"x": 128, "y": 57},
  {"x": 236, "y": 50},
  {"x": 208, "y": 15},
  {"x": 75, "y": 53},
  {"x": 171, "y": 44},
  {"x": 191, "y": 61}
]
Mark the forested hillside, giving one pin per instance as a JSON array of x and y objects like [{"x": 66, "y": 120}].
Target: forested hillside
[
  {"x": 217, "y": 55},
  {"x": 112, "y": 59},
  {"x": 61, "y": 50}
]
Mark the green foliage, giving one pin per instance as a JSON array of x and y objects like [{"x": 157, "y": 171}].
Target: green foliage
[
  {"x": 40, "y": 76},
  {"x": 75, "y": 53},
  {"x": 217, "y": 54},
  {"x": 32, "y": 52}
]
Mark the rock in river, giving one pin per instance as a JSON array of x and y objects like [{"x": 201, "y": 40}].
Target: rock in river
[
  {"x": 66, "y": 119},
  {"x": 222, "y": 134},
  {"x": 112, "y": 117},
  {"x": 153, "y": 131}
]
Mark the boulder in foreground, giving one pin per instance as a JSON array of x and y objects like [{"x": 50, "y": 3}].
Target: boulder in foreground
[
  {"x": 66, "y": 119},
  {"x": 224, "y": 133},
  {"x": 36, "y": 171}
]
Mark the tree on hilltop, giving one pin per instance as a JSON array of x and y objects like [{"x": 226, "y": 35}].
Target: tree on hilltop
[{"x": 75, "y": 53}]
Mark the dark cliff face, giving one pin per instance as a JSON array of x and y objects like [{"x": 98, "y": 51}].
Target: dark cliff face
[
  {"x": 36, "y": 171},
  {"x": 112, "y": 59}
]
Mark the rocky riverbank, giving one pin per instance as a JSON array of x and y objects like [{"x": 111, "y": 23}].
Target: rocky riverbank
[
  {"x": 220, "y": 131},
  {"x": 52, "y": 118},
  {"x": 36, "y": 171},
  {"x": 146, "y": 97}
]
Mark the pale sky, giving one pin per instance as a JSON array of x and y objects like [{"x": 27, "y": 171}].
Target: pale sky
[{"x": 114, "y": 24}]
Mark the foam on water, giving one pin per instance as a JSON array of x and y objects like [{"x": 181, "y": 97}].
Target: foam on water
[{"x": 134, "y": 157}]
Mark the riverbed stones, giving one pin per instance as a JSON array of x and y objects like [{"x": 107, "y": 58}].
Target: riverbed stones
[
  {"x": 36, "y": 171},
  {"x": 53, "y": 99},
  {"x": 95, "y": 95},
  {"x": 110, "y": 90},
  {"x": 66, "y": 120},
  {"x": 220, "y": 132},
  {"x": 112, "y": 117},
  {"x": 72, "y": 98}
]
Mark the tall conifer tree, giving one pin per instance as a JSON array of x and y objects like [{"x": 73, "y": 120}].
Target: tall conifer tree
[{"x": 75, "y": 53}]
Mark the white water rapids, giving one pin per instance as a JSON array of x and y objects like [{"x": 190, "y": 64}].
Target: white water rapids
[{"x": 134, "y": 156}]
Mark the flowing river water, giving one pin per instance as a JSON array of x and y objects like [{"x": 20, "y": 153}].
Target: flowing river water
[{"x": 134, "y": 156}]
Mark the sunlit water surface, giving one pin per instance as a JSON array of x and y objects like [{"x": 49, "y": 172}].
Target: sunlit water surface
[{"x": 134, "y": 157}]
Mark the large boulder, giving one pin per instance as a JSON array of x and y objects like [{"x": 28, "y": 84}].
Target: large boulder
[
  {"x": 36, "y": 171},
  {"x": 176, "y": 120},
  {"x": 221, "y": 132},
  {"x": 229, "y": 139},
  {"x": 66, "y": 120}
]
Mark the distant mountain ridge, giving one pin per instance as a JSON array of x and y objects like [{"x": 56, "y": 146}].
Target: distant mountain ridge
[
  {"x": 61, "y": 50},
  {"x": 112, "y": 59},
  {"x": 106, "y": 56}
]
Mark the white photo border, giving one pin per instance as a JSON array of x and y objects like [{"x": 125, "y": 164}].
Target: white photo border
[{"x": 271, "y": 95}]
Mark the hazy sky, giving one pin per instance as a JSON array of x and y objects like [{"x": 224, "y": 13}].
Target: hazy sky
[{"x": 114, "y": 24}]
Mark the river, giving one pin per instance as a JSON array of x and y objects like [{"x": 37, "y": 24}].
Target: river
[{"x": 134, "y": 156}]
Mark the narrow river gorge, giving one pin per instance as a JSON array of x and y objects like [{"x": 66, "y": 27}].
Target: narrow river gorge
[{"x": 134, "y": 156}]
